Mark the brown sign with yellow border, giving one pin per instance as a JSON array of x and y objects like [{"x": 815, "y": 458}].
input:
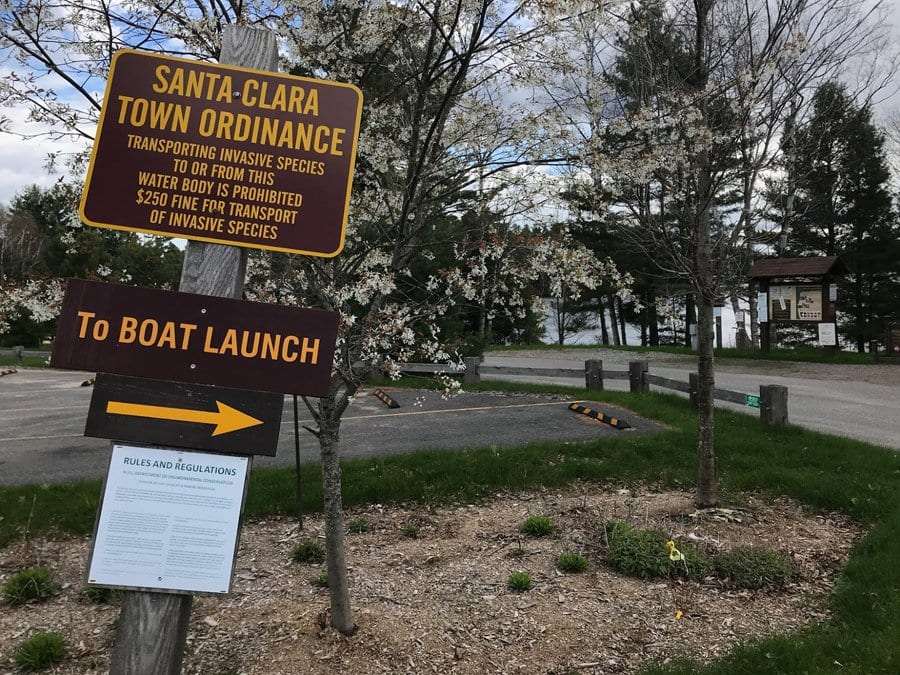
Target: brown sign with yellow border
[
  {"x": 223, "y": 154},
  {"x": 199, "y": 339}
]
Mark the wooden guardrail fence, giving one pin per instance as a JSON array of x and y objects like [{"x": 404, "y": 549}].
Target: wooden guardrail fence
[{"x": 772, "y": 399}]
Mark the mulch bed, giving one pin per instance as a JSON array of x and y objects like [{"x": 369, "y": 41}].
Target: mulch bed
[{"x": 439, "y": 602}]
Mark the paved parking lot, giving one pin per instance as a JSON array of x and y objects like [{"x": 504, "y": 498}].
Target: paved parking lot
[{"x": 42, "y": 414}]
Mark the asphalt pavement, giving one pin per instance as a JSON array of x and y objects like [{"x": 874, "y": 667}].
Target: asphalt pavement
[
  {"x": 42, "y": 415},
  {"x": 857, "y": 401}
]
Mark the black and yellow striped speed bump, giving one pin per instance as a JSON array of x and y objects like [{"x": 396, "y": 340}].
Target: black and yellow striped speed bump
[
  {"x": 382, "y": 396},
  {"x": 614, "y": 422}
]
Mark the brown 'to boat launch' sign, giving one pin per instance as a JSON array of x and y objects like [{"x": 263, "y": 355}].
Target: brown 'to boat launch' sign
[
  {"x": 223, "y": 154},
  {"x": 199, "y": 339}
]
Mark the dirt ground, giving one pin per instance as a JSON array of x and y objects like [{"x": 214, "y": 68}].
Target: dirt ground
[{"x": 438, "y": 603}]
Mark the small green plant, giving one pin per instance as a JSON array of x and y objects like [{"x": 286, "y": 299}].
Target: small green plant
[
  {"x": 518, "y": 551},
  {"x": 754, "y": 567},
  {"x": 30, "y": 584},
  {"x": 99, "y": 595},
  {"x": 410, "y": 531},
  {"x": 40, "y": 651},
  {"x": 358, "y": 526},
  {"x": 308, "y": 551},
  {"x": 537, "y": 526},
  {"x": 571, "y": 562},
  {"x": 320, "y": 580},
  {"x": 643, "y": 553},
  {"x": 519, "y": 582}
]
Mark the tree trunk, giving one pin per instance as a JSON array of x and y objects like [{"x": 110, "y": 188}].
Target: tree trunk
[
  {"x": 688, "y": 319},
  {"x": 560, "y": 322},
  {"x": 601, "y": 313},
  {"x": 613, "y": 320},
  {"x": 706, "y": 284},
  {"x": 859, "y": 312},
  {"x": 644, "y": 327},
  {"x": 707, "y": 481},
  {"x": 741, "y": 339},
  {"x": 754, "y": 316},
  {"x": 654, "y": 320},
  {"x": 622, "y": 320},
  {"x": 338, "y": 586}
]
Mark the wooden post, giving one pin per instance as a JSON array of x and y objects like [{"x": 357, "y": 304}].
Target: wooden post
[
  {"x": 765, "y": 328},
  {"x": 694, "y": 389},
  {"x": 773, "y": 404},
  {"x": 153, "y": 626},
  {"x": 472, "y": 376},
  {"x": 593, "y": 375},
  {"x": 637, "y": 377}
]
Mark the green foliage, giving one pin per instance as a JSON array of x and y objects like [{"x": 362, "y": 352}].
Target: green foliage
[
  {"x": 571, "y": 562},
  {"x": 41, "y": 242},
  {"x": 308, "y": 552},
  {"x": 320, "y": 580},
  {"x": 537, "y": 526},
  {"x": 30, "y": 584},
  {"x": 519, "y": 582},
  {"x": 410, "y": 531},
  {"x": 40, "y": 651},
  {"x": 642, "y": 553},
  {"x": 100, "y": 595},
  {"x": 358, "y": 526},
  {"x": 754, "y": 567}
]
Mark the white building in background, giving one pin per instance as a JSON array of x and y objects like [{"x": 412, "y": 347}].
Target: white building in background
[{"x": 633, "y": 332}]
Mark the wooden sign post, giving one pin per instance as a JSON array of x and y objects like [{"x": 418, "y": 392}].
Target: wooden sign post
[
  {"x": 153, "y": 626},
  {"x": 230, "y": 156}
]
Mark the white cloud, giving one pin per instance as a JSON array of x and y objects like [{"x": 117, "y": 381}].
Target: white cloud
[{"x": 22, "y": 161}]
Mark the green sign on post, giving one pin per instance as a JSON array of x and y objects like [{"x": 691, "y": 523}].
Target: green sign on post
[{"x": 752, "y": 401}]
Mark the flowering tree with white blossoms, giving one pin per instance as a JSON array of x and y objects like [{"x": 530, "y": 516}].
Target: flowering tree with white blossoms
[{"x": 421, "y": 65}]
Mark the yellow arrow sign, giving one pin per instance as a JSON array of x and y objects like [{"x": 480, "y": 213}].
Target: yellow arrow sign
[{"x": 226, "y": 419}]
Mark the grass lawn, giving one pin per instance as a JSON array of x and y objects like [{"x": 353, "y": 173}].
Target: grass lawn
[
  {"x": 825, "y": 472},
  {"x": 27, "y": 361},
  {"x": 804, "y": 354}
]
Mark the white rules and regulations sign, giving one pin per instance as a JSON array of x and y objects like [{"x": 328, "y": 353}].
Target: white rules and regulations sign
[{"x": 169, "y": 520}]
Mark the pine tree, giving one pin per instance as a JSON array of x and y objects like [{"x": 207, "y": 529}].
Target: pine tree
[{"x": 843, "y": 206}]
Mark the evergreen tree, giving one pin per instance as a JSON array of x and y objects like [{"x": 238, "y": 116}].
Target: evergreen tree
[{"x": 843, "y": 206}]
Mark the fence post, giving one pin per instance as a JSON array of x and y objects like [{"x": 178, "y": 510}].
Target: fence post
[
  {"x": 593, "y": 375},
  {"x": 694, "y": 387},
  {"x": 472, "y": 376},
  {"x": 773, "y": 404},
  {"x": 637, "y": 377}
]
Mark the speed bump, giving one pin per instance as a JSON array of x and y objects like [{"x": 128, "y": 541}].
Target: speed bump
[
  {"x": 615, "y": 422},
  {"x": 382, "y": 396}
]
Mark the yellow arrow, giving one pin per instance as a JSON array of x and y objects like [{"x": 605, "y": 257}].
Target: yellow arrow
[{"x": 226, "y": 419}]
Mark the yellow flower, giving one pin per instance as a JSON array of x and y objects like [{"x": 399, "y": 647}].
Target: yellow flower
[
  {"x": 678, "y": 614},
  {"x": 674, "y": 554}
]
